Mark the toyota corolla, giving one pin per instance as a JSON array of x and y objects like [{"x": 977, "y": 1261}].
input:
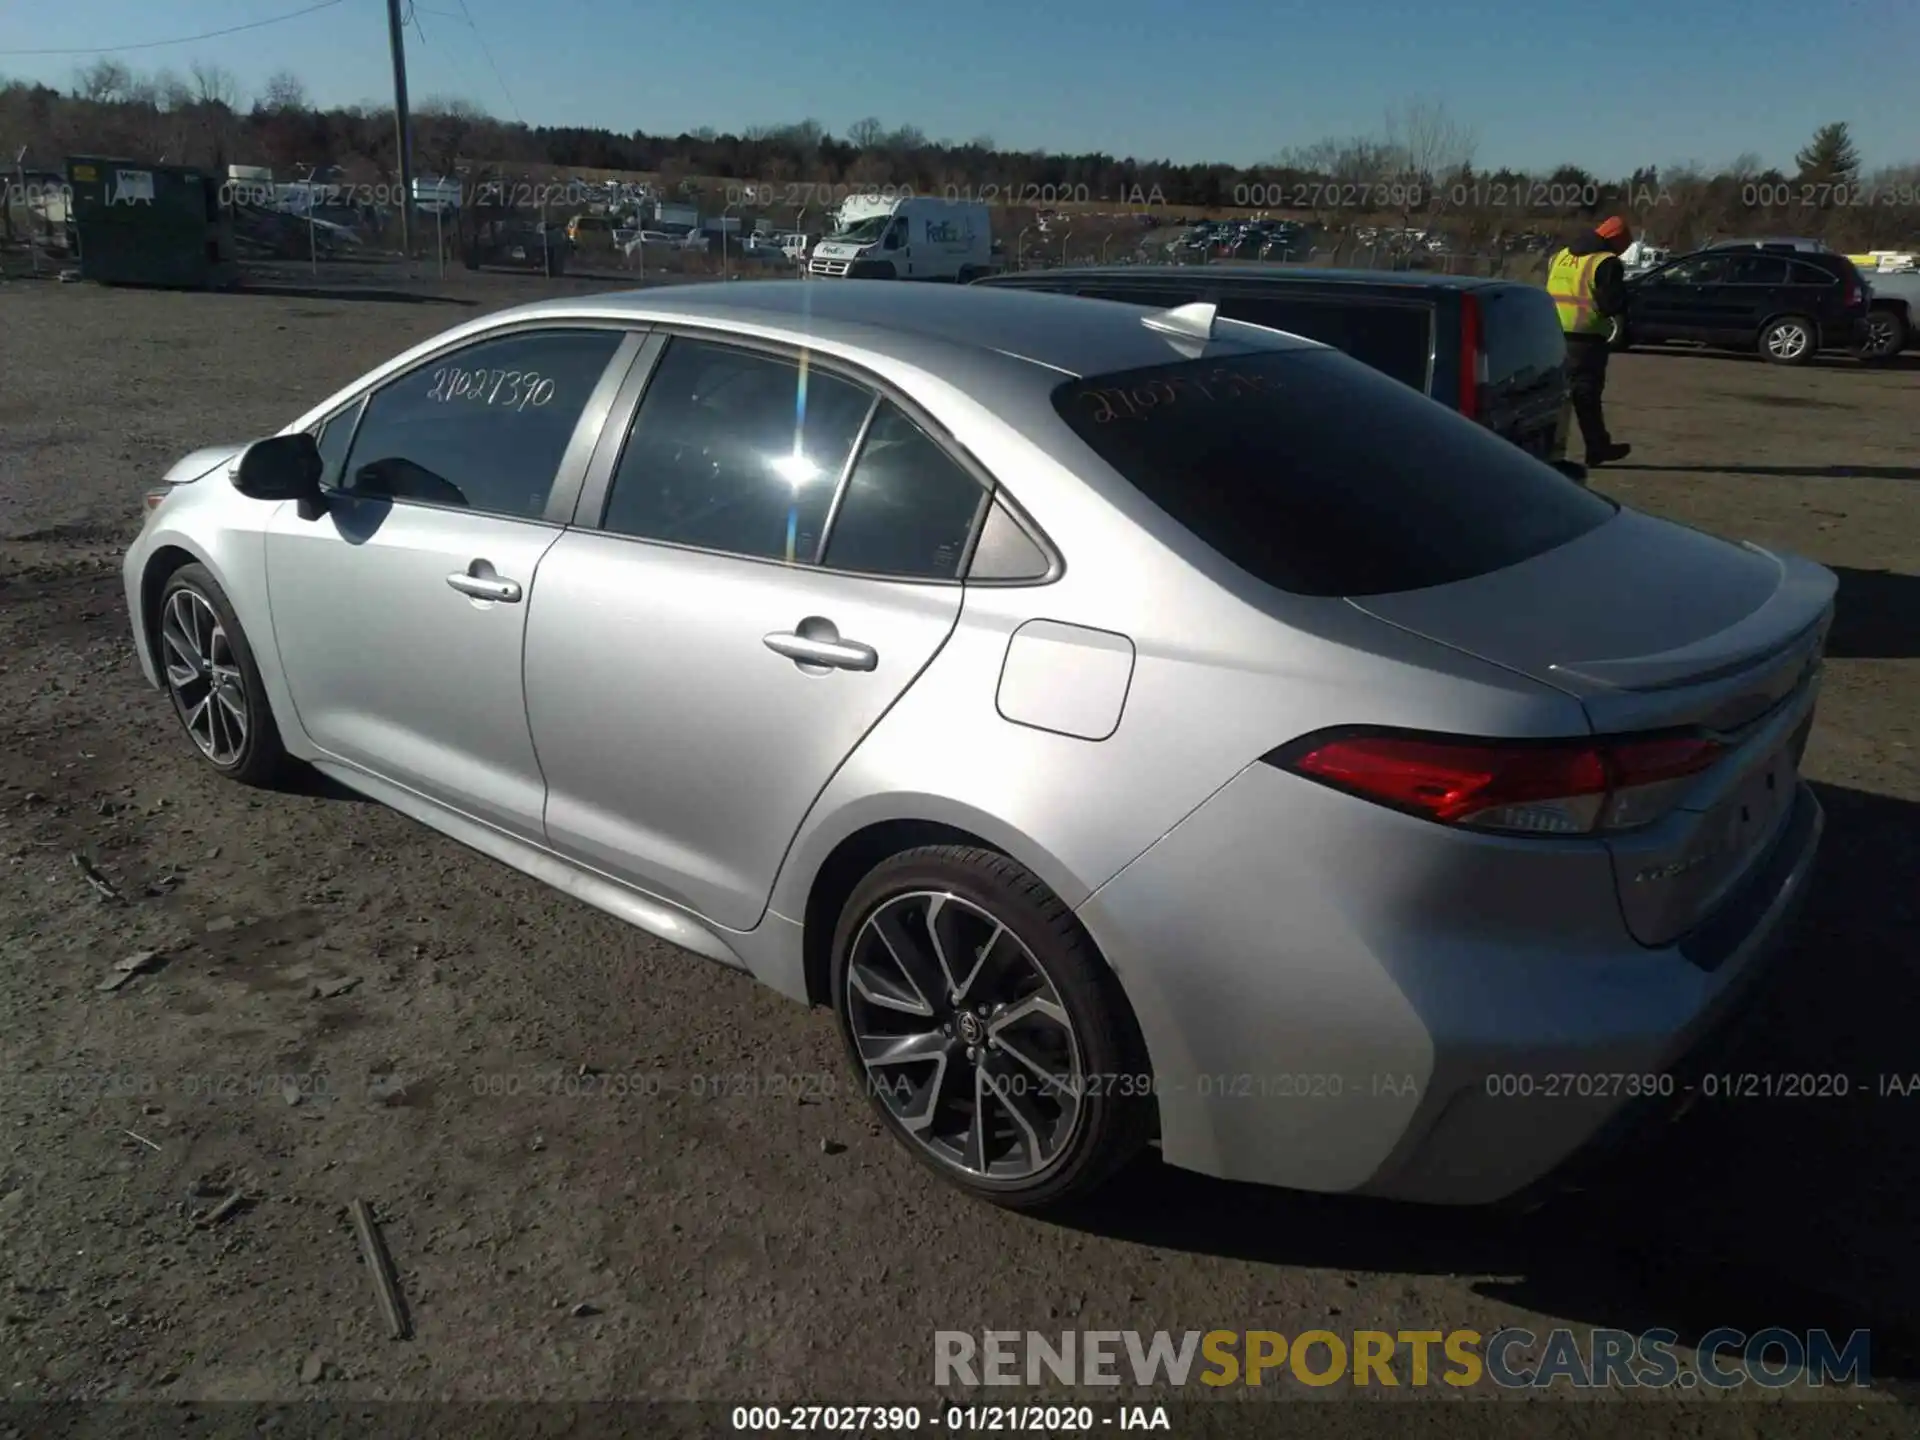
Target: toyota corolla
[{"x": 1138, "y": 727}]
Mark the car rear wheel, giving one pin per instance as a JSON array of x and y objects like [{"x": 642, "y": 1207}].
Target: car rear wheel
[
  {"x": 1617, "y": 334},
  {"x": 213, "y": 681},
  {"x": 1885, "y": 336},
  {"x": 988, "y": 1033},
  {"x": 1789, "y": 340}
]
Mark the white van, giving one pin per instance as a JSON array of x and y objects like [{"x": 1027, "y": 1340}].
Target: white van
[{"x": 912, "y": 238}]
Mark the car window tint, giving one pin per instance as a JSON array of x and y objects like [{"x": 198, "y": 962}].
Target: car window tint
[
  {"x": 1520, "y": 333},
  {"x": 735, "y": 450},
  {"x": 483, "y": 428},
  {"x": 908, "y": 509},
  {"x": 1005, "y": 551},
  {"x": 1320, "y": 476},
  {"x": 1805, "y": 274},
  {"x": 1759, "y": 269},
  {"x": 333, "y": 438},
  {"x": 1702, "y": 270},
  {"x": 1396, "y": 340}
]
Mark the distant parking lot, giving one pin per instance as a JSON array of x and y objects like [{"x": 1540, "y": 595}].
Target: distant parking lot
[{"x": 560, "y": 1237}]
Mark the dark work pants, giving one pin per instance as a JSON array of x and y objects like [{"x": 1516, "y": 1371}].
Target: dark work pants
[{"x": 1587, "y": 379}]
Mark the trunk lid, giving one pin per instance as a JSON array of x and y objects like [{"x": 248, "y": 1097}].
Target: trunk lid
[{"x": 1654, "y": 626}]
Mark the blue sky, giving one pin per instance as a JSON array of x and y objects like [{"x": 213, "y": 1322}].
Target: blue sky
[{"x": 1607, "y": 86}]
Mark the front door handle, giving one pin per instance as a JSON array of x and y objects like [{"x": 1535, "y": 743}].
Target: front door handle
[
  {"x": 480, "y": 581},
  {"x": 823, "y": 646}
]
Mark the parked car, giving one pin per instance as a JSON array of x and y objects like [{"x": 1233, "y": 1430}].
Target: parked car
[
  {"x": 1789, "y": 307},
  {"x": 1893, "y": 317},
  {"x": 1491, "y": 349},
  {"x": 591, "y": 232},
  {"x": 1783, "y": 244},
  {"x": 1132, "y": 724}
]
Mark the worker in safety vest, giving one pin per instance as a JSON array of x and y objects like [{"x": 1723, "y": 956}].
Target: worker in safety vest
[{"x": 1589, "y": 288}]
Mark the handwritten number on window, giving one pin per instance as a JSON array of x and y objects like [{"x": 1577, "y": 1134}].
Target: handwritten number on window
[
  {"x": 1137, "y": 402},
  {"x": 514, "y": 390}
]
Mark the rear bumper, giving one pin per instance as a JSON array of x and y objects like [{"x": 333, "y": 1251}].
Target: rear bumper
[{"x": 1365, "y": 1014}]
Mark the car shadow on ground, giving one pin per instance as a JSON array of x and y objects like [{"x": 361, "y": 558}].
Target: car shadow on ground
[
  {"x": 1753, "y": 1214},
  {"x": 1825, "y": 360},
  {"x": 1876, "y": 616},
  {"x": 1808, "y": 472}
]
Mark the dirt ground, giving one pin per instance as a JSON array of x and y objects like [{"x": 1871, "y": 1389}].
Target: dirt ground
[{"x": 608, "y": 1170}]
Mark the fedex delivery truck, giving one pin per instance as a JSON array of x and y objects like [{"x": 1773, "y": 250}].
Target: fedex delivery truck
[{"x": 911, "y": 237}]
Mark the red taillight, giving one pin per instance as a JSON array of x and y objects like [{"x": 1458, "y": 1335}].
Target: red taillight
[
  {"x": 1578, "y": 788},
  {"x": 1471, "y": 357}
]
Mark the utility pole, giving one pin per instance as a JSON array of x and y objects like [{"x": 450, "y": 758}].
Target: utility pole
[{"x": 402, "y": 126}]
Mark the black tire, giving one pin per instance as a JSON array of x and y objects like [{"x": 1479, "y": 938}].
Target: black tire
[
  {"x": 1618, "y": 339},
  {"x": 1115, "y": 1120},
  {"x": 1776, "y": 349},
  {"x": 261, "y": 759},
  {"x": 1879, "y": 348}
]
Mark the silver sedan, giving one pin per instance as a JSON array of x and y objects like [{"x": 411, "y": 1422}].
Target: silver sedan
[{"x": 1138, "y": 727}]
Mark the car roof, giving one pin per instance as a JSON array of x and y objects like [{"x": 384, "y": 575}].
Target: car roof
[
  {"x": 1267, "y": 274},
  {"x": 926, "y": 324}
]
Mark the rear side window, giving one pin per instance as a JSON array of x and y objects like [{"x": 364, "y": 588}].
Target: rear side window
[
  {"x": 1805, "y": 274},
  {"x": 1758, "y": 270},
  {"x": 1320, "y": 476},
  {"x": 1395, "y": 339},
  {"x": 1520, "y": 331}
]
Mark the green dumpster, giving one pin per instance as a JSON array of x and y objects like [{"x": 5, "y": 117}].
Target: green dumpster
[{"x": 139, "y": 224}]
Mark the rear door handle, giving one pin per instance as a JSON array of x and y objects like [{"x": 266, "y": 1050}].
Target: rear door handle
[
  {"x": 480, "y": 581},
  {"x": 821, "y": 650}
]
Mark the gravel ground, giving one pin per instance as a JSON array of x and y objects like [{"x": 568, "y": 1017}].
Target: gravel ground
[{"x": 565, "y": 1127}]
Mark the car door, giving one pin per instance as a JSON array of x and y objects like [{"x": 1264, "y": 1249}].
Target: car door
[
  {"x": 1816, "y": 292},
  {"x": 1750, "y": 294},
  {"x": 399, "y": 610},
  {"x": 773, "y": 562},
  {"x": 1668, "y": 303}
]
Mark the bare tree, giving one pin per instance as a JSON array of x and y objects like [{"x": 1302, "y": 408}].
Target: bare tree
[
  {"x": 443, "y": 128},
  {"x": 1430, "y": 149},
  {"x": 866, "y": 134},
  {"x": 285, "y": 93},
  {"x": 104, "y": 81},
  {"x": 214, "y": 85}
]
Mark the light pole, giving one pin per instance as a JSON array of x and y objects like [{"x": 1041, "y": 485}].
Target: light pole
[
  {"x": 726, "y": 260},
  {"x": 313, "y": 240}
]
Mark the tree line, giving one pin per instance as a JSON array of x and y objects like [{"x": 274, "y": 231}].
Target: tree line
[{"x": 1421, "y": 170}]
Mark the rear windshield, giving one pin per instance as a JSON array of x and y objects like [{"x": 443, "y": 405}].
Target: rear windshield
[
  {"x": 1521, "y": 334},
  {"x": 1321, "y": 476},
  {"x": 1395, "y": 338}
]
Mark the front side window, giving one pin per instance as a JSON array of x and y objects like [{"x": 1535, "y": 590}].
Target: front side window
[
  {"x": 1321, "y": 476},
  {"x": 483, "y": 428},
  {"x": 1699, "y": 270},
  {"x": 333, "y": 436},
  {"x": 736, "y": 450}
]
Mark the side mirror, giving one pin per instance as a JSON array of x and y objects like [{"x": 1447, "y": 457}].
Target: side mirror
[{"x": 282, "y": 467}]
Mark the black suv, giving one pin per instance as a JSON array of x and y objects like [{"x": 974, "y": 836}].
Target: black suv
[
  {"x": 1490, "y": 349},
  {"x": 1788, "y": 305}
]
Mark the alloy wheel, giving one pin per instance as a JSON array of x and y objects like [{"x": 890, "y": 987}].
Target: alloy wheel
[
  {"x": 1880, "y": 336},
  {"x": 204, "y": 675},
  {"x": 964, "y": 1037},
  {"x": 1788, "y": 341}
]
